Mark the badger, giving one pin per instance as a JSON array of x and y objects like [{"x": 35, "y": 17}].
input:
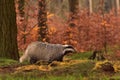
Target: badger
[{"x": 46, "y": 52}]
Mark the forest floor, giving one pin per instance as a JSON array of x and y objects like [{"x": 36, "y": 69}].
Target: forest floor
[{"x": 74, "y": 67}]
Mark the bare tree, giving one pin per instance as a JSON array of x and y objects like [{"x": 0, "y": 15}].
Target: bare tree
[
  {"x": 73, "y": 6},
  {"x": 73, "y": 10},
  {"x": 90, "y": 6},
  {"x": 107, "y": 5},
  {"x": 21, "y": 7},
  {"x": 116, "y": 6}
]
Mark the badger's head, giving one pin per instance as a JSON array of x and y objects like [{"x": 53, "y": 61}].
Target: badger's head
[{"x": 68, "y": 49}]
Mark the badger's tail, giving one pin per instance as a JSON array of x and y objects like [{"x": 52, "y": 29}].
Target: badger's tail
[{"x": 24, "y": 56}]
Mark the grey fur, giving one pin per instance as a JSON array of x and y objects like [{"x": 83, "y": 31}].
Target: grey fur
[{"x": 46, "y": 52}]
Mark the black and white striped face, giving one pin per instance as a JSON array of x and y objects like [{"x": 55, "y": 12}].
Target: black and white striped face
[{"x": 68, "y": 49}]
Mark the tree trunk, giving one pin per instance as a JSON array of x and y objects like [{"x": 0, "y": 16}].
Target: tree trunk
[
  {"x": 118, "y": 6},
  {"x": 59, "y": 10},
  {"x": 73, "y": 10},
  {"x": 21, "y": 4},
  {"x": 42, "y": 18},
  {"x": 96, "y": 5},
  {"x": 90, "y": 6},
  {"x": 8, "y": 30},
  {"x": 55, "y": 6},
  {"x": 84, "y": 4},
  {"x": 23, "y": 17},
  {"x": 107, "y": 6},
  {"x": 73, "y": 7}
]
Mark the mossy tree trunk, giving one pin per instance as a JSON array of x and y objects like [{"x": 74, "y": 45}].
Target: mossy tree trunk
[
  {"x": 42, "y": 19},
  {"x": 8, "y": 30}
]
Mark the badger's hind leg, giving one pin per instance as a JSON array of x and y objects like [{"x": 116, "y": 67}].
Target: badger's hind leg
[{"x": 33, "y": 60}]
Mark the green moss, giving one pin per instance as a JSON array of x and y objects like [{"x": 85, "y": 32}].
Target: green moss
[
  {"x": 67, "y": 77},
  {"x": 84, "y": 55},
  {"x": 7, "y": 62},
  {"x": 79, "y": 71}
]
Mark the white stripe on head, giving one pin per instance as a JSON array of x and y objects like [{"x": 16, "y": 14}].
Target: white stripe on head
[
  {"x": 65, "y": 45},
  {"x": 68, "y": 46}
]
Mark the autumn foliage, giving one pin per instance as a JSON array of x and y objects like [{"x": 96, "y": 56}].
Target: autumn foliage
[{"x": 91, "y": 31}]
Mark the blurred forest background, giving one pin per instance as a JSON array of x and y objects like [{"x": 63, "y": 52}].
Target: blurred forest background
[
  {"x": 86, "y": 24},
  {"x": 91, "y": 26}
]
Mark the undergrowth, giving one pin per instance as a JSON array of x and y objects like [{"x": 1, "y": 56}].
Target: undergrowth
[{"x": 77, "y": 67}]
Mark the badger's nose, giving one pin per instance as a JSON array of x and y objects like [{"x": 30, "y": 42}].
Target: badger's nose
[{"x": 75, "y": 50}]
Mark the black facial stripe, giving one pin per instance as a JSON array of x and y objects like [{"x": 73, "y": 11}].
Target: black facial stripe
[
  {"x": 68, "y": 50},
  {"x": 69, "y": 46}
]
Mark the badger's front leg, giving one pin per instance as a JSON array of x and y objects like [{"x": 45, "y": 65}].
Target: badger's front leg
[
  {"x": 33, "y": 60},
  {"x": 58, "y": 57}
]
